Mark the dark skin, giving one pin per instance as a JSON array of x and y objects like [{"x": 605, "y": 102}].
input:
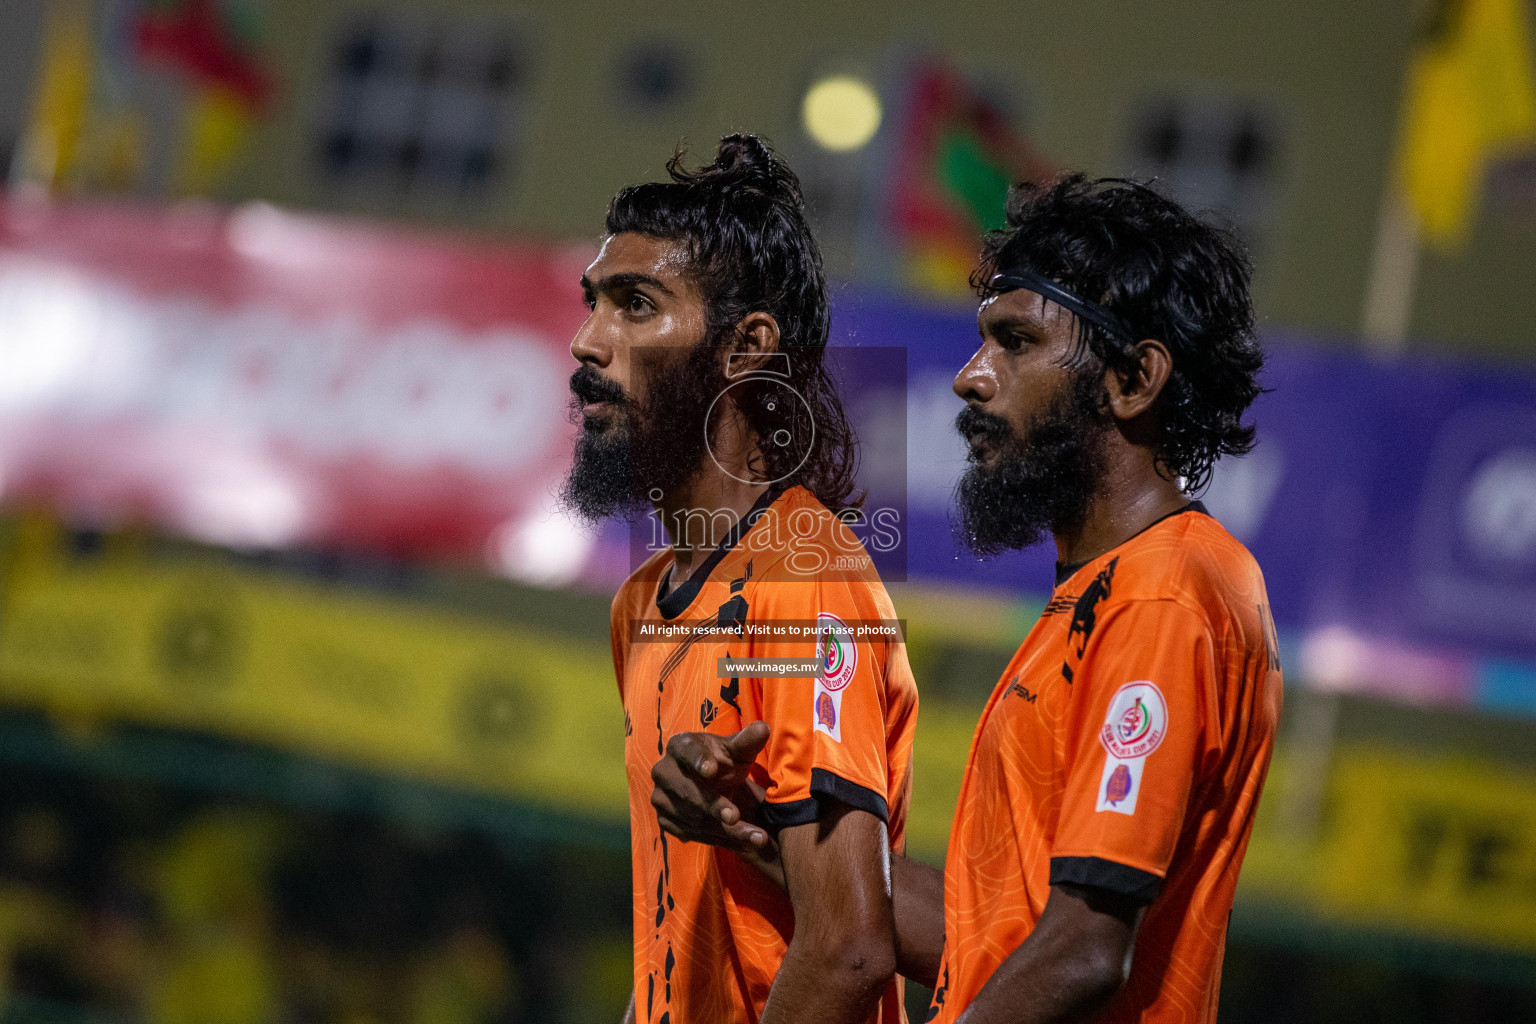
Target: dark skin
[
  {"x": 645, "y": 310},
  {"x": 1079, "y": 954}
]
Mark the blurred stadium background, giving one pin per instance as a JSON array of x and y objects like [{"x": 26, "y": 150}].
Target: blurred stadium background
[{"x": 306, "y": 711}]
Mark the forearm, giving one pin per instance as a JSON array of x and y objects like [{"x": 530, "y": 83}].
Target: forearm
[
  {"x": 1075, "y": 960},
  {"x": 917, "y": 897},
  {"x": 629, "y": 1013},
  {"x": 829, "y": 985},
  {"x": 1019, "y": 992},
  {"x": 843, "y": 952}
]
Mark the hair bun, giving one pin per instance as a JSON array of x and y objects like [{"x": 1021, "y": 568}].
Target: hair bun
[
  {"x": 743, "y": 160},
  {"x": 746, "y": 155}
]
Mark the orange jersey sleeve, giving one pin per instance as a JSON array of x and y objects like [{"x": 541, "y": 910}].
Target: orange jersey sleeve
[
  {"x": 1141, "y": 729},
  {"x": 829, "y": 736}
]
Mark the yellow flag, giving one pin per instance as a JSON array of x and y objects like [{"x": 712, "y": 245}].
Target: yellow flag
[
  {"x": 60, "y": 97},
  {"x": 1471, "y": 97},
  {"x": 217, "y": 126}
]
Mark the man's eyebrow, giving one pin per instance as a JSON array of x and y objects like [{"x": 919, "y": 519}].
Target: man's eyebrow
[
  {"x": 627, "y": 279},
  {"x": 1009, "y": 321}
]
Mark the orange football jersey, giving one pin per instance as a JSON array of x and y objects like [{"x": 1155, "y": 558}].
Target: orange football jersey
[
  {"x": 1124, "y": 748},
  {"x": 710, "y": 931}
]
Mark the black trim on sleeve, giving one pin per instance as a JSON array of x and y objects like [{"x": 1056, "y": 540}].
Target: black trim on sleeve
[
  {"x": 825, "y": 787},
  {"x": 1132, "y": 883},
  {"x": 861, "y": 798},
  {"x": 795, "y": 812}
]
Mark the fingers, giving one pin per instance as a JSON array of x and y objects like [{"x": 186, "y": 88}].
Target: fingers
[
  {"x": 684, "y": 810},
  {"x": 674, "y": 795},
  {"x": 742, "y": 836},
  {"x": 699, "y": 752},
  {"x": 744, "y": 747},
  {"x": 688, "y": 781},
  {"x": 739, "y": 837},
  {"x": 722, "y": 810}
]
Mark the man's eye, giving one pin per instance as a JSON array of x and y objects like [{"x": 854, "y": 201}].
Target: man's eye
[{"x": 639, "y": 304}]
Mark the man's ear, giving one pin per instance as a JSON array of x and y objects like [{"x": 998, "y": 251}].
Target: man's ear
[
  {"x": 757, "y": 335},
  {"x": 1133, "y": 392}
]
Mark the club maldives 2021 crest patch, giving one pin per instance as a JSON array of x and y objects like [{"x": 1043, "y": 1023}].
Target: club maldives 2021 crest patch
[
  {"x": 1134, "y": 726},
  {"x": 839, "y": 657}
]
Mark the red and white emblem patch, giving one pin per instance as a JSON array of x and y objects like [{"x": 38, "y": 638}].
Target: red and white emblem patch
[{"x": 1134, "y": 726}]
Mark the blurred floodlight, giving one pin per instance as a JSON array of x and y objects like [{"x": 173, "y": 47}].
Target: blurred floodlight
[
  {"x": 243, "y": 505},
  {"x": 1333, "y": 659},
  {"x": 545, "y": 548},
  {"x": 841, "y": 113},
  {"x": 268, "y": 234},
  {"x": 47, "y": 337}
]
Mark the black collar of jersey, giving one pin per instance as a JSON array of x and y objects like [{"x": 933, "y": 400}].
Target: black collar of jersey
[
  {"x": 673, "y": 601},
  {"x": 1064, "y": 572}
]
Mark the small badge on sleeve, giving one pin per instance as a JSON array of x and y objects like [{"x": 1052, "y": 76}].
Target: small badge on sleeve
[
  {"x": 835, "y": 649},
  {"x": 1134, "y": 726},
  {"x": 839, "y": 656},
  {"x": 829, "y": 711}
]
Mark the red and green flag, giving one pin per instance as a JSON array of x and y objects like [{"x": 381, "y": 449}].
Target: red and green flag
[{"x": 957, "y": 156}]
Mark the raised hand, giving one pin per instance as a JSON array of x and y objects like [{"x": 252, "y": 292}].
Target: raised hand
[{"x": 704, "y": 794}]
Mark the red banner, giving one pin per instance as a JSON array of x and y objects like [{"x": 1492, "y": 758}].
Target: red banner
[{"x": 260, "y": 378}]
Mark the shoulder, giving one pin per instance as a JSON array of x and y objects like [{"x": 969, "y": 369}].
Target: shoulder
[
  {"x": 1189, "y": 560},
  {"x": 798, "y": 538},
  {"x": 639, "y": 589},
  {"x": 803, "y": 551}
]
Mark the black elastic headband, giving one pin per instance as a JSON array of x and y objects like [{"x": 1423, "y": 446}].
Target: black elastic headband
[{"x": 1046, "y": 288}]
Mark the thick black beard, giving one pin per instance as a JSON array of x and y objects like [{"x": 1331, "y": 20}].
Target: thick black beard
[
  {"x": 1039, "y": 483},
  {"x": 652, "y": 446}
]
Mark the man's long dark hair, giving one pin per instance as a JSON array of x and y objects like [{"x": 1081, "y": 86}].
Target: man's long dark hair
[
  {"x": 1169, "y": 275},
  {"x": 751, "y": 250}
]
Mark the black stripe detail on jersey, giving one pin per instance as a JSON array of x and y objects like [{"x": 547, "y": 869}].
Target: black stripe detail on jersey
[
  {"x": 1064, "y": 572},
  {"x": 1057, "y": 605},
  {"x": 702, "y": 630},
  {"x": 825, "y": 787},
  {"x": 673, "y": 601},
  {"x": 1122, "y": 879}
]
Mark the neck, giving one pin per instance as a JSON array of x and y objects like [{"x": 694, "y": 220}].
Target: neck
[
  {"x": 1132, "y": 495},
  {"x": 700, "y": 514}
]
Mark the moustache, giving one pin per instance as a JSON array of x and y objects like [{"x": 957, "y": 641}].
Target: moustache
[
  {"x": 588, "y": 385},
  {"x": 973, "y": 422}
]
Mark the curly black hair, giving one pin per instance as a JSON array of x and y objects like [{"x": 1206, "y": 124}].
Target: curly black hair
[
  {"x": 751, "y": 250},
  {"x": 1166, "y": 273}
]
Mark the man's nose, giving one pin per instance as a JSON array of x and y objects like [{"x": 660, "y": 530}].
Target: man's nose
[
  {"x": 976, "y": 382},
  {"x": 588, "y": 346}
]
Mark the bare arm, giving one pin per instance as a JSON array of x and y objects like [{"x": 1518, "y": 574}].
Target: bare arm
[
  {"x": 842, "y": 954},
  {"x": 1076, "y": 959},
  {"x": 629, "y": 1014},
  {"x": 917, "y": 894},
  {"x": 703, "y": 795}
]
